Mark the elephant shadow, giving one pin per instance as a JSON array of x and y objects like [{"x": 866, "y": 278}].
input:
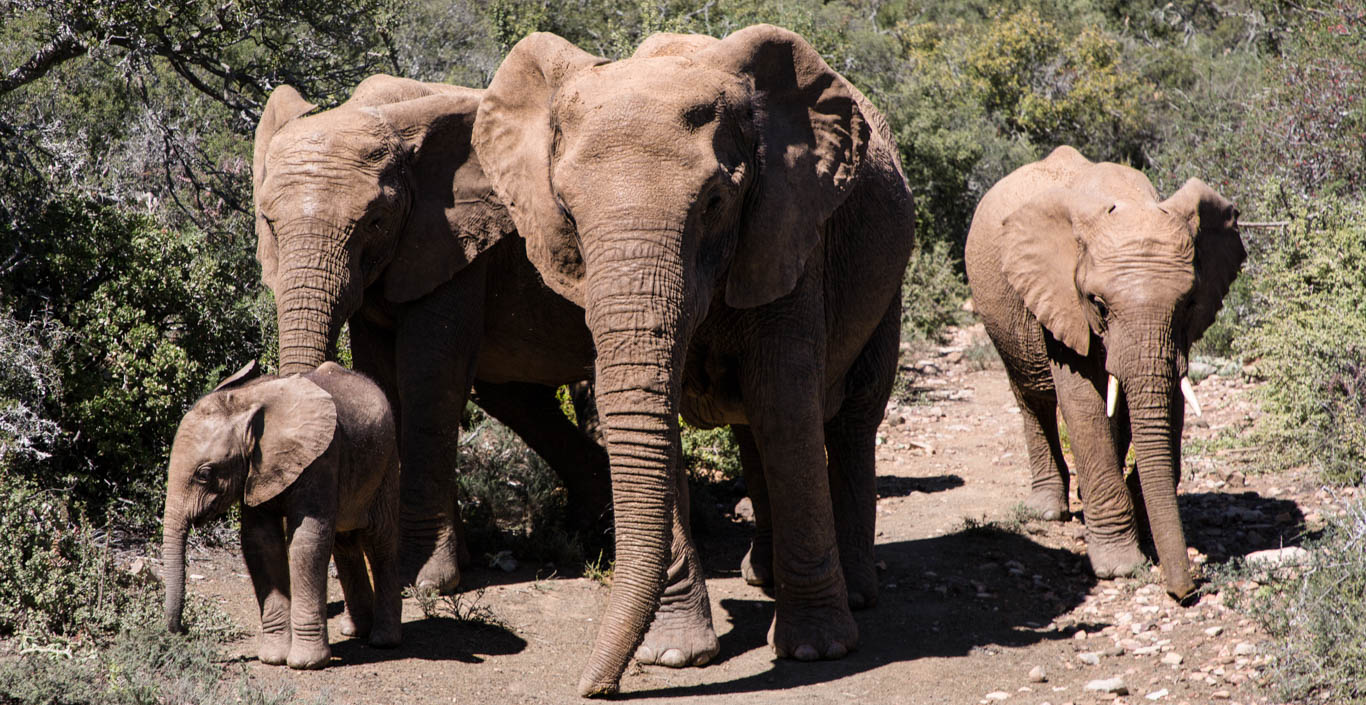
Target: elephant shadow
[
  {"x": 1225, "y": 525},
  {"x": 934, "y": 603},
  {"x": 897, "y": 486},
  {"x": 436, "y": 638}
]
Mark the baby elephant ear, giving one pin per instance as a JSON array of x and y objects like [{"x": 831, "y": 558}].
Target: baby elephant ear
[
  {"x": 249, "y": 371},
  {"x": 1041, "y": 245},
  {"x": 1219, "y": 251},
  {"x": 293, "y": 427}
]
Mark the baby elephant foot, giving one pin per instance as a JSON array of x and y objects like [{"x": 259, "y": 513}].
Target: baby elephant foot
[
  {"x": 757, "y": 565},
  {"x": 1115, "y": 561},
  {"x": 386, "y": 636},
  {"x": 353, "y": 625},
  {"x": 679, "y": 638},
  {"x": 814, "y": 632},
  {"x": 274, "y": 649},
  {"x": 1048, "y": 504},
  {"x": 309, "y": 656}
]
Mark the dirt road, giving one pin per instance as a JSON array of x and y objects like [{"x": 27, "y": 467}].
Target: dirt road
[{"x": 977, "y": 605}]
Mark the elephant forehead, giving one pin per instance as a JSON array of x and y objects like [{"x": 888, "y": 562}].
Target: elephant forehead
[
  {"x": 1141, "y": 231},
  {"x": 662, "y": 89},
  {"x": 341, "y": 139}
]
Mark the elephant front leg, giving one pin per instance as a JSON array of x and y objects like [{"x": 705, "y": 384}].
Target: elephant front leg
[
  {"x": 757, "y": 565},
  {"x": 437, "y": 344},
  {"x": 263, "y": 549},
  {"x": 1048, "y": 477},
  {"x": 681, "y": 634},
  {"x": 812, "y": 620},
  {"x": 1111, "y": 535},
  {"x": 309, "y": 549}
]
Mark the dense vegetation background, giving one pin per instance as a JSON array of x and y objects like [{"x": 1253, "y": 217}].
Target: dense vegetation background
[{"x": 128, "y": 285}]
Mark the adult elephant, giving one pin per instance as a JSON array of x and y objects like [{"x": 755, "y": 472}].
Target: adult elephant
[
  {"x": 379, "y": 213},
  {"x": 1081, "y": 275},
  {"x": 733, "y": 219}
]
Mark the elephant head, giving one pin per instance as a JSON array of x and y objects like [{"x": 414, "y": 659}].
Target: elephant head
[
  {"x": 1144, "y": 279},
  {"x": 383, "y": 190},
  {"x": 646, "y": 188},
  {"x": 246, "y": 441}
]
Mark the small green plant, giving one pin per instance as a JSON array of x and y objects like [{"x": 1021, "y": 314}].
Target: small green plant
[
  {"x": 710, "y": 452},
  {"x": 599, "y": 570},
  {"x": 466, "y": 607}
]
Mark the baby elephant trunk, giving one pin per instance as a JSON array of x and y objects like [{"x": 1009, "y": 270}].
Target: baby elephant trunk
[{"x": 173, "y": 572}]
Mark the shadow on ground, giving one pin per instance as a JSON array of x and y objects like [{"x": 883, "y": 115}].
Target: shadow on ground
[
  {"x": 435, "y": 639},
  {"x": 974, "y": 590},
  {"x": 1224, "y": 525}
]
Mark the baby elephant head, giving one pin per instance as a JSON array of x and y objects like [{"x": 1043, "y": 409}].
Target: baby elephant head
[{"x": 248, "y": 440}]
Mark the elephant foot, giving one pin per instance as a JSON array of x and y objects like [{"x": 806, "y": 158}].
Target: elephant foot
[
  {"x": 386, "y": 636},
  {"x": 757, "y": 565},
  {"x": 354, "y": 625},
  {"x": 309, "y": 656},
  {"x": 1048, "y": 504},
  {"x": 1115, "y": 561},
  {"x": 814, "y": 632},
  {"x": 431, "y": 569},
  {"x": 274, "y": 649},
  {"x": 861, "y": 582},
  {"x": 679, "y": 638}
]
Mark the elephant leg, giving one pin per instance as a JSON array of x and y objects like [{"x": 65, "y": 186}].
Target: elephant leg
[
  {"x": 380, "y": 541},
  {"x": 681, "y": 634},
  {"x": 1049, "y": 485},
  {"x": 757, "y": 565},
  {"x": 263, "y": 549},
  {"x": 437, "y": 343},
  {"x": 585, "y": 403},
  {"x": 358, "y": 619},
  {"x": 533, "y": 412},
  {"x": 310, "y": 546},
  {"x": 851, "y": 450},
  {"x": 1111, "y": 536},
  {"x": 782, "y": 401}
]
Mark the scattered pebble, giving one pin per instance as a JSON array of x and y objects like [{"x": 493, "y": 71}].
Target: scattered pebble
[
  {"x": 1037, "y": 675},
  {"x": 1220, "y": 695},
  {"x": 1089, "y": 658},
  {"x": 1214, "y": 631},
  {"x": 1290, "y": 555},
  {"x": 1172, "y": 659},
  {"x": 1157, "y": 694},
  {"x": 997, "y": 695},
  {"x": 1108, "y": 685},
  {"x": 1244, "y": 649}
]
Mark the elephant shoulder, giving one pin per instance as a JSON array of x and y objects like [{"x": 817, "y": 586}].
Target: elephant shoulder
[
  {"x": 1115, "y": 181},
  {"x": 383, "y": 89}
]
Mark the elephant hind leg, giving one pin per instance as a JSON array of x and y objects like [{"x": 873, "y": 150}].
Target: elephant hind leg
[
  {"x": 1049, "y": 483},
  {"x": 358, "y": 618},
  {"x": 757, "y": 565}
]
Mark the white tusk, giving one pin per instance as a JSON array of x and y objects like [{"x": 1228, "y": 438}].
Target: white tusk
[
  {"x": 1189, "y": 392},
  {"x": 1111, "y": 394}
]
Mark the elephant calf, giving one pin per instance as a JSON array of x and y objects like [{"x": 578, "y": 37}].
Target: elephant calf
[
  {"x": 1093, "y": 291},
  {"x": 314, "y": 462}
]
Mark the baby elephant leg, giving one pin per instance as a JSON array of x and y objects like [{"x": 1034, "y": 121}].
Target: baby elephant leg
[{"x": 349, "y": 555}]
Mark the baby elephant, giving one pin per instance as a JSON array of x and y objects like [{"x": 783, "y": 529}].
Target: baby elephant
[{"x": 312, "y": 458}]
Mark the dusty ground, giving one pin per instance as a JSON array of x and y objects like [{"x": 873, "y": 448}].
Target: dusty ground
[{"x": 976, "y": 605}]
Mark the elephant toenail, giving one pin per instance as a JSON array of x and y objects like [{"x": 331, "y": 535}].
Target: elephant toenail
[
  {"x": 857, "y": 601},
  {"x": 836, "y": 650},
  {"x": 645, "y": 654},
  {"x": 806, "y": 652},
  {"x": 673, "y": 658},
  {"x": 702, "y": 659}
]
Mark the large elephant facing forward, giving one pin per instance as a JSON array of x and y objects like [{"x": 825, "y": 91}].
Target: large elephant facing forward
[
  {"x": 1093, "y": 291},
  {"x": 732, "y": 217},
  {"x": 378, "y": 212}
]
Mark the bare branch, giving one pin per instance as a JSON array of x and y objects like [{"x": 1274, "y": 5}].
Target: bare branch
[{"x": 63, "y": 48}]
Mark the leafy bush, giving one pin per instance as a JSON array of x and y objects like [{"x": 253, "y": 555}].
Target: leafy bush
[
  {"x": 932, "y": 293},
  {"x": 710, "y": 451}
]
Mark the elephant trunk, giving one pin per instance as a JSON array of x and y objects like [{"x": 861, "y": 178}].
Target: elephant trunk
[
  {"x": 174, "y": 532},
  {"x": 636, "y": 314},
  {"x": 310, "y": 302},
  {"x": 1154, "y": 413}
]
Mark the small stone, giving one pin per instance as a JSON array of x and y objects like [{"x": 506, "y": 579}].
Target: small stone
[
  {"x": 1089, "y": 658},
  {"x": 1214, "y": 631},
  {"x": 1157, "y": 694},
  {"x": 1037, "y": 675},
  {"x": 1244, "y": 649},
  {"x": 1108, "y": 685},
  {"x": 1079, "y": 635},
  {"x": 136, "y": 567},
  {"x": 1172, "y": 659},
  {"x": 196, "y": 576},
  {"x": 1221, "y": 695},
  {"x": 1276, "y": 557},
  {"x": 744, "y": 509},
  {"x": 997, "y": 695}
]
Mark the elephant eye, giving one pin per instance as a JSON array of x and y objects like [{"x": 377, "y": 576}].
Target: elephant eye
[
  {"x": 1099, "y": 303},
  {"x": 202, "y": 474}
]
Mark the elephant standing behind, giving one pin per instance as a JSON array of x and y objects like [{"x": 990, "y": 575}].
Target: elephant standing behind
[
  {"x": 1081, "y": 275},
  {"x": 378, "y": 213},
  {"x": 732, "y": 216}
]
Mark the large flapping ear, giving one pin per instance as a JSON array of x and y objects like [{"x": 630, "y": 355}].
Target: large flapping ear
[
  {"x": 671, "y": 44},
  {"x": 294, "y": 425},
  {"x": 512, "y": 136},
  {"x": 1218, "y": 249},
  {"x": 812, "y": 136},
  {"x": 454, "y": 215},
  {"x": 249, "y": 371},
  {"x": 1041, "y": 245},
  {"x": 284, "y": 105}
]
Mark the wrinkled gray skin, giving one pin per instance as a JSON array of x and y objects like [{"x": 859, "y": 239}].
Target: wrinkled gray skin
[
  {"x": 1079, "y": 272},
  {"x": 377, "y": 212},
  {"x": 733, "y": 219},
  {"x": 313, "y": 462}
]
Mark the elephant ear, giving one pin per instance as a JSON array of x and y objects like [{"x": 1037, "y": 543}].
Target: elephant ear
[
  {"x": 512, "y": 135},
  {"x": 812, "y": 136},
  {"x": 1042, "y": 243},
  {"x": 454, "y": 215},
  {"x": 284, "y": 105},
  {"x": 383, "y": 89},
  {"x": 292, "y": 424},
  {"x": 249, "y": 371},
  {"x": 1219, "y": 249}
]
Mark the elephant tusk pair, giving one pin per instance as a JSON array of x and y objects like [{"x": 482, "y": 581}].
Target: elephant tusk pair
[{"x": 1112, "y": 394}]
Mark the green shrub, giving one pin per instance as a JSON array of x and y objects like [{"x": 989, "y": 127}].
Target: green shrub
[
  {"x": 932, "y": 293},
  {"x": 707, "y": 452}
]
